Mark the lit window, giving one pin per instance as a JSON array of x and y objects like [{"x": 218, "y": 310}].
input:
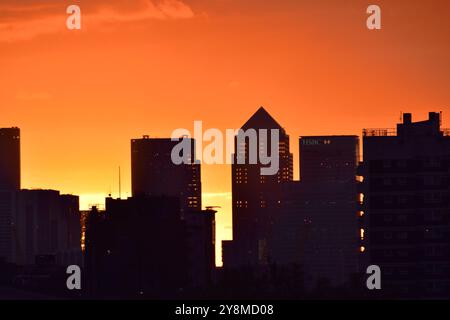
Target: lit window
[{"x": 361, "y": 198}]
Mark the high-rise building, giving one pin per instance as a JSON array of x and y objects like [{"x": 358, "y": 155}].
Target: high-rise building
[
  {"x": 256, "y": 197},
  {"x": 7, "y": 212},
  {"x": 328, "y": 158},
  {"x": 141, "y": 247},
  {"x": 318, "y": 224},
  {"x": 136, "y": 247},
  {"x": 9, "y": 159},
  {"x": 9, "y": 185},
  {"x": 153, "y": 172},
  {"x": 46, "y": 223},
  {"x": 406, "y": 207}
]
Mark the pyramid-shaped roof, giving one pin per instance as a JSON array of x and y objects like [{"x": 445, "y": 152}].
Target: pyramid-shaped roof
[{"x": 261, "y": 119}]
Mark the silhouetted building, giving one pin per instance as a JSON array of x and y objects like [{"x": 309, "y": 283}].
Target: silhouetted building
[
  {"x": 201, "y": 241},
  {"x": 7, "y": 212},
  {"x": 325, "y": 159},
  {"x": 406, "y": 207},
  {"x": 9, "y": 184},
  {"x": 154, "y": 173},
  {"x": 137, "y": 247},
  {"x": 9, "y": 159},
  {"x": 318, "y": 224},
  {"x": 46, "y": 223},
  {"x": 256, "y": 197}
]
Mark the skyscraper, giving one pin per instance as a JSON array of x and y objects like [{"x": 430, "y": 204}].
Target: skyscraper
[
  {"x": 9, "y": 159},
  {"x": 406, "y": 207},
  {"x": 256, "y": 197},
  {"x": 46, "y": 223},
  {"x": 328, "y": 158},
  {"x": 154, "y": 173},
  {"x": 9, "y": 185},
  {"x": 318, "y": 225},
  {"x": 137, "y": 247}
]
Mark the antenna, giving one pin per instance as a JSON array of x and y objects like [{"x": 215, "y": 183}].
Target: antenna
[{"x": 120, "y": 185}]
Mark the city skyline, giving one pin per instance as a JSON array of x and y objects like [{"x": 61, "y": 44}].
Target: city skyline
[
  {"x": 205, "y": 203},
  {"x": 80, "y": 96}
]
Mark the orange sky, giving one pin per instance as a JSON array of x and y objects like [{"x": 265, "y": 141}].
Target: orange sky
[{"x": 141, "y": 67}]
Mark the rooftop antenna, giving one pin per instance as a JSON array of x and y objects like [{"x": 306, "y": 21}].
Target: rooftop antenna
[{"x": 120, "y": 185}]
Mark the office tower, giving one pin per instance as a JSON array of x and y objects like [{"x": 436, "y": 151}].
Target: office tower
[
  {"x": 318, "y": 226},
  {"x": 9, "y": 159},
  {"x": 153, "y": 172},
  {"x": 46, "y": 223},
  {"x": 201, "y": 241},
  {"x": 406, "y": 201},
  {"x": 7, "y": 211},
  {"x": 328, "y": 158},
  {"x": 9, "y": 184},
  {"x": 140, "y": 247},
  {"x": 256, "y": 197},
  {"x": 137, "y": 247}
]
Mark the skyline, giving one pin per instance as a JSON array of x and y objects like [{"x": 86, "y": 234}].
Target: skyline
[
  {"x": 290, "y": 236},
  {"x": 80, "y": 97},
  {"x": 206, "y": 197}
]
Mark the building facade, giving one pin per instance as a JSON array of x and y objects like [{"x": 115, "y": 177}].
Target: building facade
[
  {"x": 256, "y": 197},
  {"x": 46, "y": 223},
  {"x": 9, "y": 185},
  {"x": 317, "y": 228},
  {"x": 153, "y": 172},
  {"x": 140, "y": 247},
  {"x": 406, "y": 207},
  {"x": 9, "y": 158}
]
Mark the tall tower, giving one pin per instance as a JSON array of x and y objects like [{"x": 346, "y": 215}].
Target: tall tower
[
  {"x": 322, "y": 210},
  {"x": 153, "y": 172},
  {"x": 10, "y": 159},
  {"x": 9, "y": 184},
  {"x": 405, "y": 211},
  {"x": 256, "y": 197}
]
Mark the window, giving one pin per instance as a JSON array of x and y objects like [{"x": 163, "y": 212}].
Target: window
[
  {"x": 402, "y": 163},
  {"x": 402, "y": 235},
  {"x": 386, "y": 164}
]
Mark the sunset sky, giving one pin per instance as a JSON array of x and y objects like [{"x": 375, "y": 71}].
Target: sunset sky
[{"x": 149, "y": 67}]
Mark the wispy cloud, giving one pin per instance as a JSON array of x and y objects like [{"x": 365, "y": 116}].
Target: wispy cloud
[{"x": 29, "y": 18}]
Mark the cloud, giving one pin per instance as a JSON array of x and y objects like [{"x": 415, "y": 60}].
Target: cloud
[{"x": 29, "y": 18}]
